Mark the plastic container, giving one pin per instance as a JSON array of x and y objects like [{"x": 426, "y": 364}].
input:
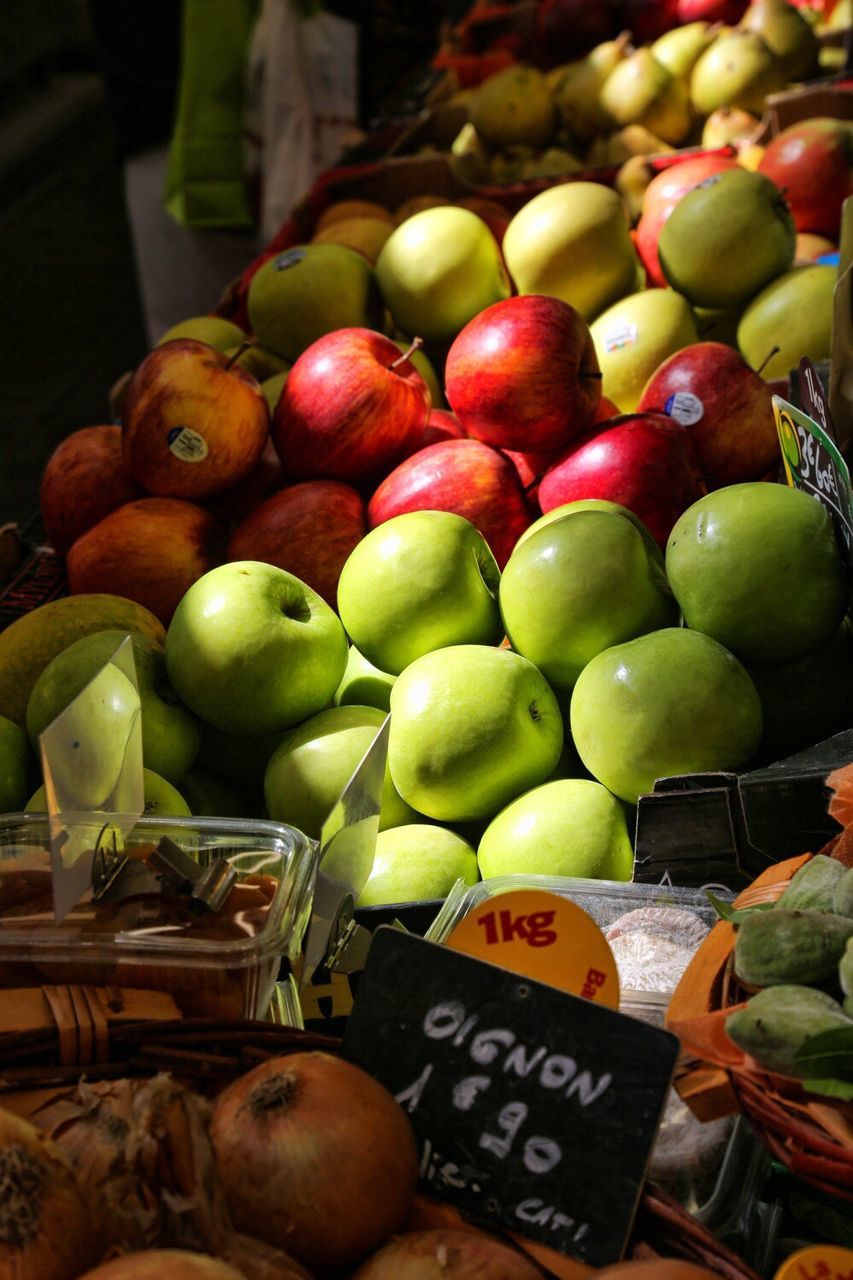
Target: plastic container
[{"x": 223, "y": 965}]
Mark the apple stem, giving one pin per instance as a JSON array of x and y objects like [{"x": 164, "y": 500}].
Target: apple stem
[
  {"x": 770, "y": 354},
  {"x": 244, "y": 346},
  {"x": 417, "y": 343}
]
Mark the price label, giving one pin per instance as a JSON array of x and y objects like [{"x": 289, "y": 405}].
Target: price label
[
  {"x": 818, "y": 1262},
  {"x": 544, "y": 936},
  {"x": 812, "y": 463}
]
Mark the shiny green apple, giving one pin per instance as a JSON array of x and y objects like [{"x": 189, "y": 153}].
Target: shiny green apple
[
  {"x": 594, "y": 504},
  {"x": 14, "y": 753},
  {"x": 416, "y": 862},
  {"x": 364, "y": 685}
]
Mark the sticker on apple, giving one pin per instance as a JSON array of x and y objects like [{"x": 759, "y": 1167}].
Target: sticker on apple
[
  {"x": 187, "y": 444},
  {"x": 621, "y": 335},
  {"x": 289, "y": 259},
  {"x": 685, "y": 408}
]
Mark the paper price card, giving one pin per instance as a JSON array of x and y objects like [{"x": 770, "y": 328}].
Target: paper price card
[
  {"x": 533, "y": 1109},
  {"x": 818, "y": 1262},
  {"x": 545, "y": 937},
  {"x": 812, "y": 463}
]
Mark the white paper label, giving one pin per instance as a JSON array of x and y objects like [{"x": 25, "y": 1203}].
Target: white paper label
[
  {"x": 187, "y": 444},
  {"x": 621, "y": 335},
  {"x": 685, "y": 408}
]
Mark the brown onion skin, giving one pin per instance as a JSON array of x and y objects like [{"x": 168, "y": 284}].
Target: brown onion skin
[
  {"x": 656, "y": 1269},
  {"x": 164, "y": 1264},
  {"x": 63, "y": 1238},
  {"x": 447, "y": 1255},
  {"x": 327, "y": 1173}
]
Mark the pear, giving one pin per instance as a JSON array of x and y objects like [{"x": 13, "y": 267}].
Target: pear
[
  {"x": 607, "y": 56},
  {"x": 469, "y": 155},
  {"x": 631, "y": 182},
  {"x": 678, "y": 50},
  {"x": 787, "y": 34},
  {"x": 728, "y": 126},
  {"x": 841, "y": 17},
  {"x": 726, "y": 239},
  {"x": 514, "y": 107},
  {"x": 794, "y": 314},
  {"x": 641, "y": 91},
  {"x": 737, "y": 70},
  {"x": 633, "y": 140},
  {"x": 580, "y": 84},
  {"x": 551, "y": 163}
]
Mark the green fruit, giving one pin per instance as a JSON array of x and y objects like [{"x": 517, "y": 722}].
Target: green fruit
[
  {"x": 220, "y": 334},
  {"x": 805, "y": 701},
  {"x": 170, "y": 735},
  {"x": 787, "y": 34},
  {"x": 781, "y": 946},
  {"x": 577, "y": 100},
  {"x": 679, "y": 49},
  {"x": 13, "y": 766},
  {"x": 793, "y": 313},
  {"x": 757, "y": 567},
  {"x": 570, "y": 827},
  {"x": 272, "y": 389},
  {"x": 238, "y": 759},
  {"x": 727, "y": 238},
  {"x": 594, "y": 504},
  {"x": 416, "y": 862},
  {"x": 559, "y": 615},
  {"x": 737, "y": 70},
  {"x": 363, "y": 685},
  {"x": 161, "y": 798},
  {"x": 811, "y": 888},
  {"x": 513, "y": 107},
  {"x": 471, "y": 728},
  {"x": 259, "y": 363},
  {"x": 634, "y": 337},
  {"x": 777, "y": 1022},
  {"x": 842, "y": 900},
  {"x": 640, "y": 90},
  {"x": 716, "y": 325},
  {"x": 670, "y": 702},
  {"x": 211, "y": 797}
]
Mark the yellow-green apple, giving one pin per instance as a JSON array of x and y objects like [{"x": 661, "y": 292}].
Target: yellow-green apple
[
  {"x": 573, "y": 242},
  {"x": 643, "y": 461},
  {"x": 727, "y": 238},
  {"x": 216, "y": 331},
  {"x": 559, "y": 615},
  {"x": 660, "y": 198},
  {"x": 212, "y": 797},
  {"x": 813, "y": 163},
  {"x": 570, "y": 827},
  {"x": 266, "y": 479},
  {"x": 641, "y": 90},
  {"x": 670, "y": 702},
  {"x": 363, "y": 684},
  {"x": 299, "y": 295},
  {"x": 251, "y": 649},
  {"x": 807, "y": 701},
  {"x": 438, "y": 269},
  {"x": 85, "y": 479},
  {"x": 634, "y": 335},
  {"x": 308, "y": 529},
  {"x": 523, "y": 374},
  {"x": 14, "y": 759},
  {"x": 420, "y": 581},
  {"x": 313, "y": 763},
  {"x": 351, "y": 407},
  {"x": 793, "y": 314},
  {"x": 150, "y": 551},
  {"x": 594, "y": 504},
  {"x": 417, "y": 862},
  {"x": 472, "y": 727},
  {"x": 811, "y": 247},
  {"x": 160, "y": 798},
  {"x": 462, "y": 476},
  {"x": 737, "y": 70},
  {"x": 170, "y": 735},
  {"x": 193, "y": 423},
  {"x": 727, "y": 407},
  {"x": 757, "y": 567}
]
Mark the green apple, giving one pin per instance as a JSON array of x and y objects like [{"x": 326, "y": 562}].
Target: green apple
[
  {"x": 212, "y": 797},
  {"x": 806, "y": 701},
  {"x": 161, "y": 798},
  {"x": 571, "y": 827},
  {"x": 305, "y": 292},
  {"x": 727, "y": 238},
  {"x": 793, "y": 314},
  {"x": 594, "y": 504},
  {"x": 312, "y": 765},
  {"x": 272, "y": 389},
  {"x": 364, "y": 685},
  {"x": 573, "y": 242},
  {"x": 416, "y": 862},
  {"x": 253, "y": 649},
  {"x": 634, "y": 336},
  {"x": 670, "y": 702},
  {"x": 170, "y": 735},
  {"x": 757, "y": 567},
  {"x": 216, "y": 332},
  {"x": 471, "y": 728},
  {"x": 14, "y": 753},
  {"x": 581, "y": 584},
  {"x": 418, "y": 582},
  {"x": 439, "y": 269}
]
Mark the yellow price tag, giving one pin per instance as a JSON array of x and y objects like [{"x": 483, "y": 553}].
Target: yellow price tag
[{"x": 818, "y": 1262}]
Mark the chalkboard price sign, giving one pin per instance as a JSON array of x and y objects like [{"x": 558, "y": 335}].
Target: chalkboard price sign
[
  {"x": 533, "y": 1109},
  {"x": 813, "y": 464}
]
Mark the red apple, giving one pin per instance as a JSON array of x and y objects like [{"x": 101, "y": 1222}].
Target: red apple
[
  {"x": 441, "y": 425},
  {"x": 812, "y": 162},
  {"x": 729, "y": 12},
  {"x": 726, "y": 406},
  {"x": 523, "y": 374},
  {"x": 308, "y": 529},
  {"x": 193, "y": 423},
  {"x": 84, "y": 480},
  {"x": 463, "y": 476},
  {"x": 150, "y": 551},
  {"x": 266, "y": 479},
  {"x": 531, "y": 467},
  {"x": 351, "y": 407},
  {"x": 493, "y": 214},
  {"x": 644, "y": 461},
  {"x": 660, "y": 198}
]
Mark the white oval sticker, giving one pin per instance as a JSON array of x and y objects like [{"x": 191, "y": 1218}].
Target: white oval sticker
[
  {"x": 621, "y": 335},
  {"x": 289, "y": 259},
  {"x": 187, "y": 444},
  {"x": 685, "y": 408}
]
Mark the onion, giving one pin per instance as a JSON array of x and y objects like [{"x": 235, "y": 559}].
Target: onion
[
  {"x": 315, "y": 1157},
  {"x": 447, "y": 1255},
  {"x": 164, "y": 1264},
  {"x": 45, "y": 1219}
]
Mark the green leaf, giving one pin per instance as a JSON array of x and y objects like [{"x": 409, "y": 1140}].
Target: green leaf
[
  {"x": 735, "y": 915},
  {"x": 830, "y": 1088},
  {"x": 828, "y": 1055}
]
